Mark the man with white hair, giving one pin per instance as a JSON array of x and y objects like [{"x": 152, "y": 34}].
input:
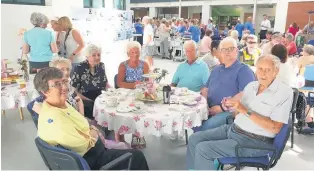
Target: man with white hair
[
  {"x": 259, "y": 116},
  {"x": 193, "y": 73},
  {"x": 226, "y": 80},
  {"x": 148, "y": 41}
]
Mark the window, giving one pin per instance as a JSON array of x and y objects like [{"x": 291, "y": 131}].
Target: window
[
  {"x": 25, "y": 2},
  {"x": 120, "y": 4},
  {"x": 94, "y": 3}
]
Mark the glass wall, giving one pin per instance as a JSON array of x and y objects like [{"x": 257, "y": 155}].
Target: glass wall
[{"x": 119, "y": 4}]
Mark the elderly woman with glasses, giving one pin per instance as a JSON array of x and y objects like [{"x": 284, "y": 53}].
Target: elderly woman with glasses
[
  {"x": 60, "y": 124},
  {"x": 39, "y": 43},
  {"x": 73, "y": 99},
  {"x": 89, "y": 78},
  {"x": 251, "y": 52}
]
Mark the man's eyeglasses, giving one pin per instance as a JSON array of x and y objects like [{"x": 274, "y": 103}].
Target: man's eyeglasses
[
  {"x": 251, "y": 42},
  {"x": 229, "y": 49},
  {"x": 58, "y": 84}
]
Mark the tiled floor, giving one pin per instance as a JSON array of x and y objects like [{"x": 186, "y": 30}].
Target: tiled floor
[{"x": 18, "y": 150}]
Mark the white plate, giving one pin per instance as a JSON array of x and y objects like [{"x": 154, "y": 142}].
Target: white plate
[{"x": 189, "y": 103}]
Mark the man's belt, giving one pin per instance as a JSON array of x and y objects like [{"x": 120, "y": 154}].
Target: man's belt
[{"x": 254, "y": 136}]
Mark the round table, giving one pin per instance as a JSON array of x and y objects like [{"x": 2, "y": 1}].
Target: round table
[
  {"x": 12, "y": 97},
  {"x": 159, "y": 118}
]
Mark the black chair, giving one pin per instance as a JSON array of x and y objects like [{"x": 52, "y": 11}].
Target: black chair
[
  {"x": 32, "y": 112},
  {"x": 58, "y": 158},
  {"x": 293, "y": 113},
  {"x": 116, "y": 81}
]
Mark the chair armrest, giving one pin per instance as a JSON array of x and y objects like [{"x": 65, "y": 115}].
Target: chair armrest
[
  {"x": 115, "y": 162},
  {"x": 272, "y": 149}
]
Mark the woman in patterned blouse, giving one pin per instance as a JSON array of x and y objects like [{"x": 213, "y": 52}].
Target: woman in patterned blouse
[{"x": 89, "y": 78}]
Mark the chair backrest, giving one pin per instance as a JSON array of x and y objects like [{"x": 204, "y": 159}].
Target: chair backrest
[
  {"x": 295, "y": 100},
  {"x": 281, "y": 140},
  {"x": 308, "y": 74},
  {"x": 311, "y": 42},
  {"x": 33, "y": 113},
  {"x": 60, "y": 159},
  {"x": 116, "y": 81}
]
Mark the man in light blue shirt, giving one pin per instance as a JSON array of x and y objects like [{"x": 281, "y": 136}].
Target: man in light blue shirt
[
  {"x": 193, "y": 73},
  {"x": 239, "y": 27}
]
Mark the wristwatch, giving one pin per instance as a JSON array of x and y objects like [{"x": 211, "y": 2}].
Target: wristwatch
[
  {"x": 249, "y": 112},
  {"x": 73, "y": 54}
]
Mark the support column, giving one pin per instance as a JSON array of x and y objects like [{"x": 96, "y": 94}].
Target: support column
[
  {"x": 63, "y": 8},
  {"x": 254, "y": 14},
  {"x": 180, "y": 9},
  {"x": 281, "y": 16},
  {"x": 98, "y": 4},
  {"x": 109, "y": 4},
  {"x": 206, "y": 12},
  {"x": 152, "y": 12},
  {"x": 127, "y": 5}
]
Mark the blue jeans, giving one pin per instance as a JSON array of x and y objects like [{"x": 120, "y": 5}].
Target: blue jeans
[
  {"x": 213, "y": 122},
  {"x": 206, "y": 146}
]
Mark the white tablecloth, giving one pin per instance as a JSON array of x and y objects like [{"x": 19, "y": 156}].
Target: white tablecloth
[
  {"x": 13, "y": 97},
  {"x": 158, "y": 118}
]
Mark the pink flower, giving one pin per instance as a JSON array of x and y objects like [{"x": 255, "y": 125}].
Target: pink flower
[
  {"x": 102, "y": 111},
  {"x": 146, "y": 124},
  {"x": 123, "y": 129},
  {"x": 138, "y": 134},
  {"x": 131, "y": 105},
  {"x": 174, "y": 124},
  {"x": 158, "y": 125},
  {"x": 105, "y": 124},
  {"x": 96, "y": 113},
  {"x": 112, "y": 114},
  {"x": 23, "y": 93},
  {"x": 188, "y": 124},
  {"x": 136, "y": 118}
]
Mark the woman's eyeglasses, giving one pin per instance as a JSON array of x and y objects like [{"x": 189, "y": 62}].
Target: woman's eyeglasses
[
  {"x": 251, "y": 42},
  {"x": 58, "y": 84}
]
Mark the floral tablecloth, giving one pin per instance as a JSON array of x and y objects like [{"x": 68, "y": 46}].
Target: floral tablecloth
[
  {"x": 13, "y": 97},
  {"x": 159, "y": 118}
]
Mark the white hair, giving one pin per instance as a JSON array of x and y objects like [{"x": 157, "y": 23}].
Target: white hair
[
  {"x": 188, "y": 43},
  {"x": 273, "y": 58},
  {"x": 228, "y": 39},
  {"x": 133, "y": 44},
  {"x": 309, "y": 49},
  {"x": 59, "y": 60},
  {"x": 146, "y": 19},
  {"x": 38, "y": 19},
  {"x": 234, "y": 34},
  {"x": 92, "y": 48},
  {"x": 251, "y": 36}
]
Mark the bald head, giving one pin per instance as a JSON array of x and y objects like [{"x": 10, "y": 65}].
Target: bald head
[{"x": 146, "y": 19}]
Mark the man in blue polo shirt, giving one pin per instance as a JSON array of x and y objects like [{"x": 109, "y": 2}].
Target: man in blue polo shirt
[
  {"x": 239, "y": 27},
  {"x": 195, "y": 31},
  {"x": 249, "y": 26},
  {"x": 193, "y": 73},
  {"x": 226, "y": 80}
]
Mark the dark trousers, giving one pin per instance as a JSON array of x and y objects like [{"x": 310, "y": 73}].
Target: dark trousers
[
  {"x": 89, "y": 105},
  {"x": 99, "y": 156},
  {"x": 139, "y": 39},
  {"x": 262, "y": 35}
]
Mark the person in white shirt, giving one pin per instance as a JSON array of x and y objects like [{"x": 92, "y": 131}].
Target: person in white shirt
[
  {"x": 286, "y": 71},
  {"x": 148, "y": 41},
  {"x": 265, "y": 25}
]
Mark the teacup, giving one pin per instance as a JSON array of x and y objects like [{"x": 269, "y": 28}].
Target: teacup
[{"x": 111, "y": 101}]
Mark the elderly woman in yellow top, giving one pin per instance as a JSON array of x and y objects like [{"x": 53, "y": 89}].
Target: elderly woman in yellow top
[{"x": 60, "y": 124}]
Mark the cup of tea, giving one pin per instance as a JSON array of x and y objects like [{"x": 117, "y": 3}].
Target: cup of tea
[{"x": 111, "y": 101}]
